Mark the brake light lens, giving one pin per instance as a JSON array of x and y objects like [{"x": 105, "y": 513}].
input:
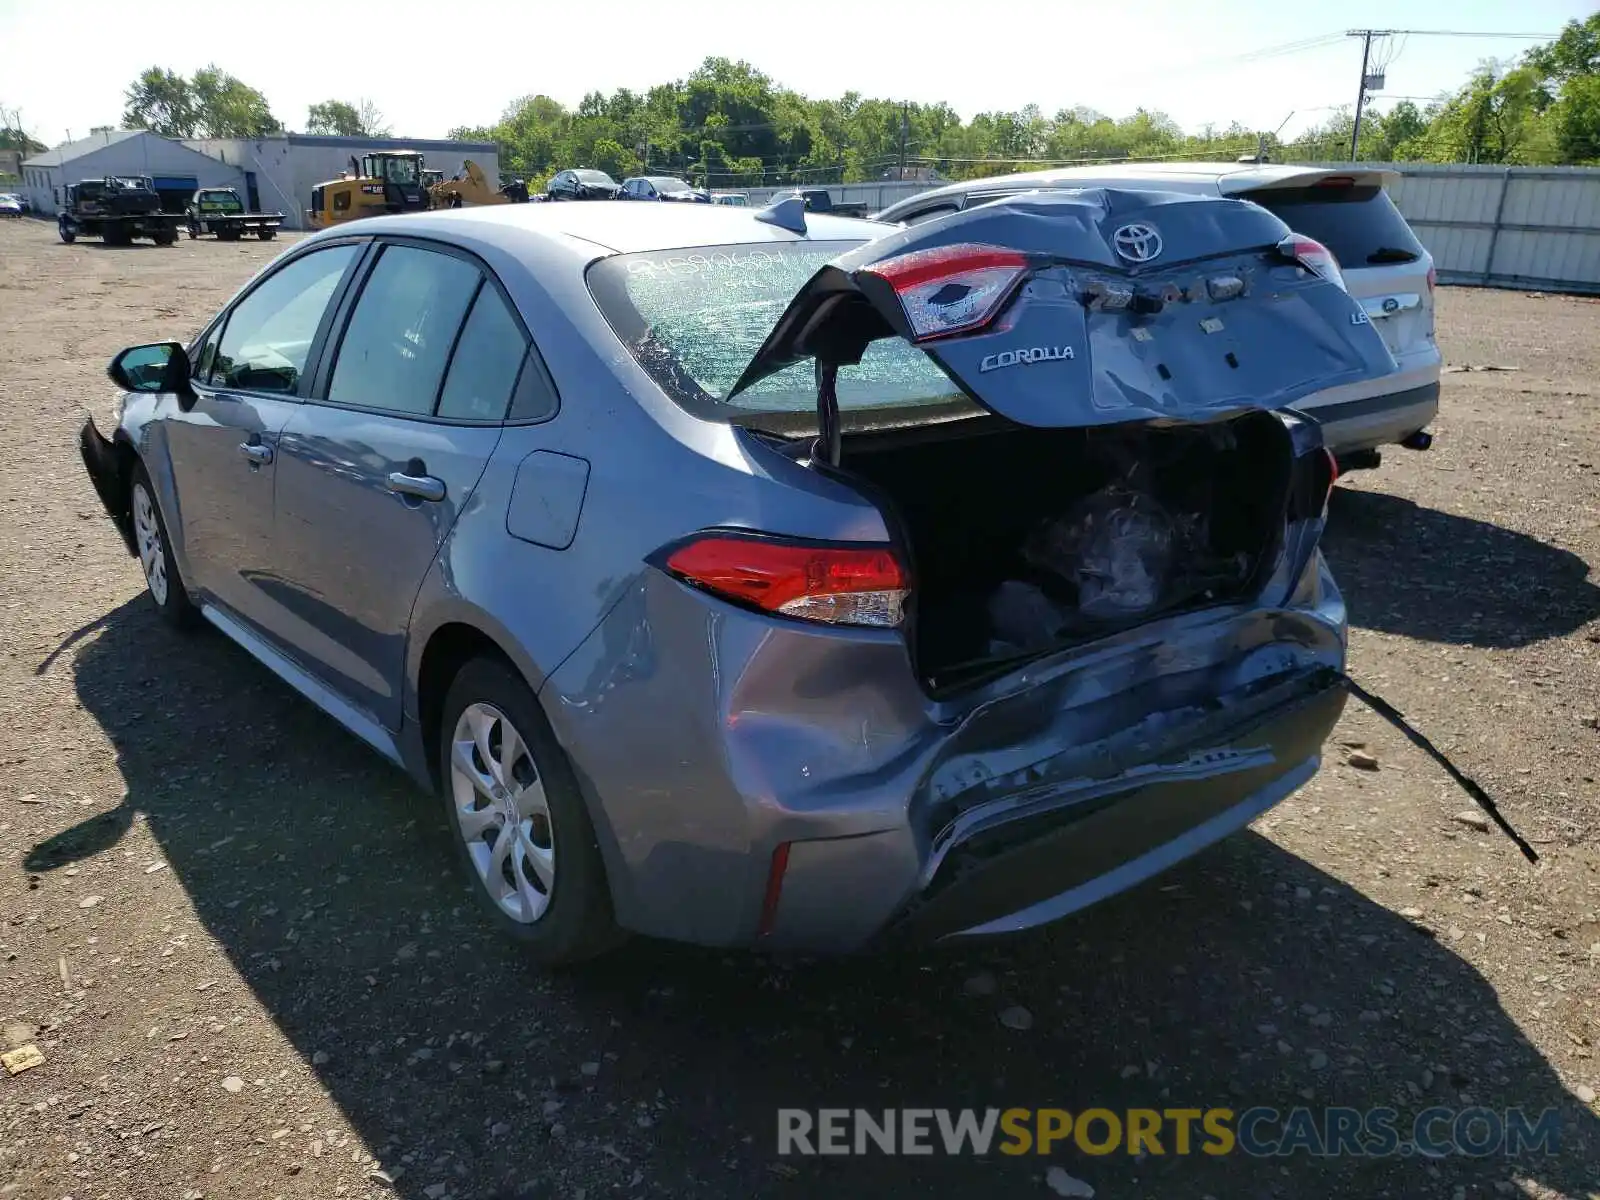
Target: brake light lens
[
  {"x": 952, "y": 289},
  {"x": 1333, "y": 478},
  {"x": 837, "y": 585},
  {"x": 1313, "y": 256}
]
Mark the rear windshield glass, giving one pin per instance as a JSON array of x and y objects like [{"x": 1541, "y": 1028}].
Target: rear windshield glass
[
  {"x": 694, "y": 318},
  {"x": 1360, "y": 225}
]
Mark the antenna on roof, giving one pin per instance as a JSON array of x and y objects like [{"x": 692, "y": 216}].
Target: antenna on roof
[{"x": 788, "y": 213}]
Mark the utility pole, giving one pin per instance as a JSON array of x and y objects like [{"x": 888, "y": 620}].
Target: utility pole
[
  {"x": 900, "y": 171},
  {"x": 1373, "y": 82},
  {"x": 1366, "y": 36}
]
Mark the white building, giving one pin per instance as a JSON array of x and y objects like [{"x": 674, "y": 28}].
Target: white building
[
  {"x": 281, "y": 171},
  {"x": 176, "y": 169},
  {"x": 272, "y": 174}
]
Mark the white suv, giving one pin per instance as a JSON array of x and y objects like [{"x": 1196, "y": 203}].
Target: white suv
[{"x": 1349, "y": 211}]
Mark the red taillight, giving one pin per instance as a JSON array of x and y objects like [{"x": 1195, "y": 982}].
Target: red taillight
[
  {"x": 952, "y": 289},
  {"x": 1313, "y": 256},
  {"x": 1336, "y": 181},
  {"x": 1333, "y": 478},
  {"x": 840, "y": 585},
  {"x": 769, "y": 903}
]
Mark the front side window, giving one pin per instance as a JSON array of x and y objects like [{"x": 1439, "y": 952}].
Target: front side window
[
  {"x": 693, "y": 319},
  {"x": 268, "y": 335},
  {"x": 399, "y": 338}
]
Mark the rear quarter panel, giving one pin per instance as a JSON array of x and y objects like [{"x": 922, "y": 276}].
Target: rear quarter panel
[{"x": 653, "y": 474}]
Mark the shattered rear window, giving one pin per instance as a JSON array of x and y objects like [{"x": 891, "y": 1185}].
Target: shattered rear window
[{"x": 693, "y": 319}]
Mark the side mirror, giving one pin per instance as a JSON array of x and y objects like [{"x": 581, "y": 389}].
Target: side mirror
[{"x": 159, "y": 367}]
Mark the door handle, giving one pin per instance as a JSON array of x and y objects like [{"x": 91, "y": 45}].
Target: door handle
[
  {"x": 258, "y": 453},
  {"x": 424, "y": 487}
]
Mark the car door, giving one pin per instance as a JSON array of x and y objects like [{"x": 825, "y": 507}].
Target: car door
[
  {"x": 562, "y": 185},
  {"x": 252, "y": 368},
  {"x": 375, "y": 469}
]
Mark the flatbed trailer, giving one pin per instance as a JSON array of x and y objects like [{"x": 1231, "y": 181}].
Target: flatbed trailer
[
  {"x": 116, "y": 210},
  {"x": 230, "y": 227},
  {"x": 221, "y": 213}
]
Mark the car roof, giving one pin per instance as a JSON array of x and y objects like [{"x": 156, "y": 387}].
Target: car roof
[
  {"x": 611, "y": 228},
  {"x": 1228, "y": 179}
]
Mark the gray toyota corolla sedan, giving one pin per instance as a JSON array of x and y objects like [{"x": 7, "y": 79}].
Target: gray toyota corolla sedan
[{"x": 768, "y": 578}]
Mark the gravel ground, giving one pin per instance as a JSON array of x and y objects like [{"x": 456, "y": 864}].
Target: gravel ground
[{"x": 236, "y": 938}]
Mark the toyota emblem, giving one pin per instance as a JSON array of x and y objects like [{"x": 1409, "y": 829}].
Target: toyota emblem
[{"x": 1137, "y": 243}]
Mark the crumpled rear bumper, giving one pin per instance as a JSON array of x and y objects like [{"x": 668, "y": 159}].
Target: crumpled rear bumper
[
  {"x": 1086, "y": 841},
  {"x": 100, "y": 460}
]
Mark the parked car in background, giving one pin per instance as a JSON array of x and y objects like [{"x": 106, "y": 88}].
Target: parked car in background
[
  {"x": 660, "y": 187},
  {"x": 732, "y": 199},
  {"x": 581, "y": 184},
  {"x": 1349, "y": 211},
  {"x": 11, "y": 205},
  {"x": 927, "y": 638},
  {"x": 821, "y": 200}
]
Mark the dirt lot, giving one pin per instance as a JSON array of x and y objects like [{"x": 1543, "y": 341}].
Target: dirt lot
[{"x": 237, "y": 940}]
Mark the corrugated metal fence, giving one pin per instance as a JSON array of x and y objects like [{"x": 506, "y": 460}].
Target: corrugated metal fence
[{"x": 1516, "y": 227}]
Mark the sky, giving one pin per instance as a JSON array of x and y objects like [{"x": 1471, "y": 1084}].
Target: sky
[{"x": 430, "y": 67}]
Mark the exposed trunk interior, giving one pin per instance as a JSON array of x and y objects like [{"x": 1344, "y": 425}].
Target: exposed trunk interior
[{"x": 1024, "y": 540}]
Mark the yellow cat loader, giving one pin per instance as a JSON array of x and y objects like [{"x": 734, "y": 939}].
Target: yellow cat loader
[
  {"x": 384, "y": 181},
  {"x": 471, "y": 187}
]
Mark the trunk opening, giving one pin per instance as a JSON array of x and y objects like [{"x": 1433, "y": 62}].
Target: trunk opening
[{"x": 1026, "y": 541}]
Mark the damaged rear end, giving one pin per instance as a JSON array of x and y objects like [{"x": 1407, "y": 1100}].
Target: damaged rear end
[{"x": 1099, "y": 635}]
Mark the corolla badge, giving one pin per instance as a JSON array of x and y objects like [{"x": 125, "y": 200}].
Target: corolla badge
[
  {"x": 1017, "y": 358},
  {"x": 1137, "y": 243}
]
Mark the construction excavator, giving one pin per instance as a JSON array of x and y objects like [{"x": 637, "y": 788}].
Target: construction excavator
[
  {"x": 471, "y": 187},
  {"x": 383, "y": 181}
]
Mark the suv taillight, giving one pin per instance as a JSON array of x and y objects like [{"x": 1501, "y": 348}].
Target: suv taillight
[
  {"x": 832, "y": 583},
  {"x": 1313, "y": 256}
]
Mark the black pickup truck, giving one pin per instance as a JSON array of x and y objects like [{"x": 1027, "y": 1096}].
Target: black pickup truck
[
  {"x": 220, "y": 211},
  {"x": 116, "y": 210},
  {"x": 822, "y": 201}
]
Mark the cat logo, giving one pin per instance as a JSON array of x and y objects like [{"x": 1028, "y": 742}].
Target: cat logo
[{"x": 1016, "y": 358}]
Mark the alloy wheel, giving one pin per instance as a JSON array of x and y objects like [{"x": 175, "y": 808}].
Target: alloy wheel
[
  {"x": 147, "y": 536},
  {"x": 502, "y": 812}
]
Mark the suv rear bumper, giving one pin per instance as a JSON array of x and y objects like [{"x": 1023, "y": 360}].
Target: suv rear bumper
[{"x": 1375, "y": 421}]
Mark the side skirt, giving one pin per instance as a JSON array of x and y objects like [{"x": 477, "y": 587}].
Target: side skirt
[{"x": 329, "y": 701}]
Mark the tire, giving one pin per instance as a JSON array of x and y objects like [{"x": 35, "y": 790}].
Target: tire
[
  {"x": 68, "y": 234},
  {"x": 160, "y": 569},
  {"x": 563, "y": 914},
  {"x": 164, "y": 237},
  {"x": 266, "y": 235}
]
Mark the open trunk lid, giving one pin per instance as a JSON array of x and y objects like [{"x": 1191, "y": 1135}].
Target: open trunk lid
[{"x": 1090, "y": 308}]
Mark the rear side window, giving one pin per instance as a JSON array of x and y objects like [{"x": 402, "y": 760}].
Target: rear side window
[
  {"x": 1360, "y": 225},
  {"x": 694, "y": 318},
  {"x": 399, "y": 337},
  {"x": 484, "y": 367}
]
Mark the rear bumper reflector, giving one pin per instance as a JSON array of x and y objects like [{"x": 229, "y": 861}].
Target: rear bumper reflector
[{"x": 769, "y": 905}]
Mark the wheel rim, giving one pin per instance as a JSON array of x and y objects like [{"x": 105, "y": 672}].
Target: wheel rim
[
  {"x": 147, "y": 536},
  {"x": 502, "y": 813}
]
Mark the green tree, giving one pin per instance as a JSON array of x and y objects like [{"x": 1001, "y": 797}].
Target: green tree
[
  {"x": 227, "y": 107},
  {"x": 1575, "y": 121},
  {"x": 347, "y": 120},
  {"x": 613, "y": 158},
  {"x": 163, "y": 102},
  {"x": 212, "y": 104}
]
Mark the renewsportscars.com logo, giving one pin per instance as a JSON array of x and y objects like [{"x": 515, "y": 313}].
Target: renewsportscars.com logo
[{"x": 1259, "y": 1132}]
